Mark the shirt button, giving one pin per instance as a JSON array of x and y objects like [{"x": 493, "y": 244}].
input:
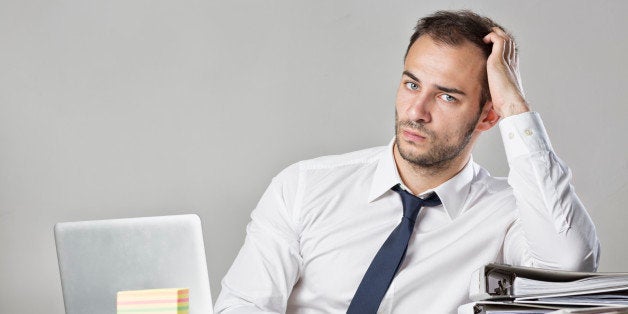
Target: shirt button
[
  {"x": 528, "y": 132},
  {"x": 511, "y": 135}
]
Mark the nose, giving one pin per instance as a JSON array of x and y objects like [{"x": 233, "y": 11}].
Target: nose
[{"x": 419, "y": 108}]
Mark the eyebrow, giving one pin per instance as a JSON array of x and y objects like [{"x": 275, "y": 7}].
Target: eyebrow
[{"x": 450, "y": 90}]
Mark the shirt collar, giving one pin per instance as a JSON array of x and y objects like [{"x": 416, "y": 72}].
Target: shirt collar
[
  {"x": 453, "y": 192},
  {"x": 386, "y": 175}
]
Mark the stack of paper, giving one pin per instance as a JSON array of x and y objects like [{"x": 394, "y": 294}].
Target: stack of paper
[
  {"x": 507, "y": 289},
  {"x": 154, "y": 301},
  {"x": 528, "y": 286}
]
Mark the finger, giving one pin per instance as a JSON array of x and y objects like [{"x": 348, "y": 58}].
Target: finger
[
  {"x": 492, "y": 37},
  {"x": 500, "y": 37},
  {"x": 507, "y": 50},
  {"x": 513, "y": 51},
  {"x": 500, "y": 32},
  {"x": 499, "y": 47}
]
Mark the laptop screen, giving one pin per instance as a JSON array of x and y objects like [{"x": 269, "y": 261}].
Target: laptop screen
[{"x": 99, "y": 258}]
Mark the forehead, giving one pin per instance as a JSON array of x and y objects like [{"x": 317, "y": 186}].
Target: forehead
[{"x": 462, "y": 66}]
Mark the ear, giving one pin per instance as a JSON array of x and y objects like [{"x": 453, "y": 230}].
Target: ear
[{"x": 488, "y": 118}]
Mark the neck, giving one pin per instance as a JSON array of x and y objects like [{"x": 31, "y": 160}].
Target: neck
[{"x": 420, "y": 179}]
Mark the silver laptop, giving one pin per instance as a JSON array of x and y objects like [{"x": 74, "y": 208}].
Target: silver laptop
[{"x": 99, "y": 258}]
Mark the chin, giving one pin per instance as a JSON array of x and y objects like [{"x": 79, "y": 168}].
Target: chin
[{"x": 410, "y": 152}]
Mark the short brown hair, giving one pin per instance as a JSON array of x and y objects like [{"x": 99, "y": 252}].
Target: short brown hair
[{"x": 453, "y": 28}]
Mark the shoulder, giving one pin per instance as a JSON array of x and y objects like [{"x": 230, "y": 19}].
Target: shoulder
[
  {"x": 493, "y": 184},
  {"x": 356, "y": 158},
  {"x": 491, "y": 188},
  {"x": 335, "y": 165}
]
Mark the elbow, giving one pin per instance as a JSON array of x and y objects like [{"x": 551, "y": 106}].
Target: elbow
[
  {"x": 584, "y": 259},
  {"x": 591, "y": 260},
  {"x": 570, "y": 256}
]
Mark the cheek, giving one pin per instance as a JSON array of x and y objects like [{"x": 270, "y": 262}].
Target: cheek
[
  {"x": 403, "y": 100},
  {"x": 446, "y": 121}
]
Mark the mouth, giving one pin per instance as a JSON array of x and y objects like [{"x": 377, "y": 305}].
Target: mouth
[{"x": 413, "y": 136}]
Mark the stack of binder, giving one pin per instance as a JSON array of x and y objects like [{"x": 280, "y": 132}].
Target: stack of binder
[{"x": 498, "y": 288}]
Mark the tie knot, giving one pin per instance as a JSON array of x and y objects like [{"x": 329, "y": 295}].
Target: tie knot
[{"x": 412, "y": 204}]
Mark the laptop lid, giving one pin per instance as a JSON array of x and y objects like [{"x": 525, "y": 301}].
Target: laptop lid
[{"x": 99, "y": 258}]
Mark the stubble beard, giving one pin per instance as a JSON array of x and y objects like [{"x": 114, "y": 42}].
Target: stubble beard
[{"x": 442, "y": 153}]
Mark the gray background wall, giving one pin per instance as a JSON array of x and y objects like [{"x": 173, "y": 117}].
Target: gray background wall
[{"x": 114, "y": 109}]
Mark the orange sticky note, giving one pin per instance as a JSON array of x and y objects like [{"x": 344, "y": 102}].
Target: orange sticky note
[{"x": 154, "y": 301}]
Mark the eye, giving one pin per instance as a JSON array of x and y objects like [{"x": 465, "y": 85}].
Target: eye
[
  {"x": 412, "y": 86},
  {"x": 447, "y": 98}
]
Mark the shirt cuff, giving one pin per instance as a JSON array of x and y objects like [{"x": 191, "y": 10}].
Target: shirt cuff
[{"x": 524, "y": 134}]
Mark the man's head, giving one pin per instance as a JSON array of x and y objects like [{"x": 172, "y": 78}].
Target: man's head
[
  {"x": 440, "y": 105},
  {"x": 453, "y": 28}
]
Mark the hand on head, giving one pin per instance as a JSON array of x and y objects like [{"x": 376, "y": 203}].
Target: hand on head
[{"x": 504, "y": 79}]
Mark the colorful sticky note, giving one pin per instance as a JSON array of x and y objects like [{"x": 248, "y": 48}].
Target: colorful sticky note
[{"x": 154, "y": 301}]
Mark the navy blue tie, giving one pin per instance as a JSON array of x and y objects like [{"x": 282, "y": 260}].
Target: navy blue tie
[{"x": 384, "y": 266}]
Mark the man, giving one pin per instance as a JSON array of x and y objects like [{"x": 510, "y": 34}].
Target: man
[{"x": 322, "y": 236}]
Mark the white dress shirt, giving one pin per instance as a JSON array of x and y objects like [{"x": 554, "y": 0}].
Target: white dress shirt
[{"x": 319, "y": 224}]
